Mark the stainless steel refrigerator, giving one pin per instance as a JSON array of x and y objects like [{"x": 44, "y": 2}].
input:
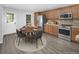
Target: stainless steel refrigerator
[{"x": 41, "y": 20}]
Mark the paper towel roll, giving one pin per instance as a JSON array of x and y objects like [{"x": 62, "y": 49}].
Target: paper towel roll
[{"x": 77, "y": 37}]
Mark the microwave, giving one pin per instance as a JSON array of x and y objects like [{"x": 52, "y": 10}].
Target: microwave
[{"x": 65, "y": 16}]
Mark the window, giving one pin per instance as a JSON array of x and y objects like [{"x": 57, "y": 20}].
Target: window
[
  {"x": 28, "y": 19},
  {"x": 10, "y": 17}
]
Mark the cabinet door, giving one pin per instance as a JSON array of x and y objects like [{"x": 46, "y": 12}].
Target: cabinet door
[
  {"x": 54, "y": 14},
  {"x": 51, "y": 15},
  {"x": 75, "y": 12},
  {"x": 67, "y": 10},
  {"x": 57, "y": 14},
  {"x": 48, "y": 15},
  {"x": 55, "y": 30},
  {"x": 75, "y": 31},
  {"x": 50, "y": 29},
  {"x": 46, "y": 28},
  {"x": 78, "y": 12}
]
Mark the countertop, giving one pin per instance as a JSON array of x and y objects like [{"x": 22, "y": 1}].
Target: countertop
[
  {"x": 52, "y": 24},
  {"x": 75, "y": 26},
  {"x": 58, "y": 25}
]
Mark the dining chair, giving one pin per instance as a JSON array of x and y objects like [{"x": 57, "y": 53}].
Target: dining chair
[
  {"x": 20, "y": 36},
  {"x": 38, "y": 35}
]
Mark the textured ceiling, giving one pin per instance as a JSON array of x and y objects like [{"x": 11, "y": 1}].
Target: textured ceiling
[{"x": 34, "y": 7}]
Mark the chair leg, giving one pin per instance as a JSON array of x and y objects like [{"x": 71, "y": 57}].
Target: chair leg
[
  {"x": 31, "y": 40},
  {"x": 18, "y": 41},
  {"x": 41, "y": 41},
  {"x": 25, "y": 39},
  {"x": 36, "y": 43}
]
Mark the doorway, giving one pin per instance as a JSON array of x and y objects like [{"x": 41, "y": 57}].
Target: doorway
[
  {"x": 10, "y": 23},
  {"x": 28, "y": 20}
]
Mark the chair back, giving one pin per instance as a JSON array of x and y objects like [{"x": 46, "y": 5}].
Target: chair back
[
  {"x": 19, "y": 33},
  {"x": 38, "y": 34}
]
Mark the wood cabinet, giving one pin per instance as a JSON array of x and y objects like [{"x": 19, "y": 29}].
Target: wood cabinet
[
  {"x": 78, "y": 12},
  {"x": 49, "y": 15},
  {"x": 55, "y": 30},
  {"x": 52, "y": 14},
  {"x": 46, "y": 28},
  {"x": 51, "y": 29},
  {"x": 75, "y": 31},
  {"x": 71, "y": 9},
  {"x": 75, "y": 12},
  {"x": 55, "y": 13},
  {"x": 67, "y": 10}
]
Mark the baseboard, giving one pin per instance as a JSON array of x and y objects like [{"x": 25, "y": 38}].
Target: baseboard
[
  {"x": 9, "y": 34},
  {"x": 1, "y": 40}
]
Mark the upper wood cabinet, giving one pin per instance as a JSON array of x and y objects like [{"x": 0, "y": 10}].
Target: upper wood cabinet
[
  {"x": 67, "y": 10},
  {"x": 75, "y": 12},
  {"x": 55, "y": 13},
  {"x": 52, "y": 15},
  {"x": 71, "y": 9},
  {"x": 64, "y": 10},
  {"x": 78, "y": 12},
  {"x": 48, "y": 15},
  {"x": 42, "y": 13}
]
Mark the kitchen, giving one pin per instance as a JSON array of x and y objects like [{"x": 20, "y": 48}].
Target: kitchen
[
  {"x": 57, "y": 28},
  {"x": 48, "y": 28},
  {"x": 62, "y": 22}
]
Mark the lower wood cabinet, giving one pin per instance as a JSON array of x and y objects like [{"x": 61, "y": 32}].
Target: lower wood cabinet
[
  {"x": 75, "y": 31},
  {"x": 46, "y": 28},
  {"x": 51, "y": 29}
]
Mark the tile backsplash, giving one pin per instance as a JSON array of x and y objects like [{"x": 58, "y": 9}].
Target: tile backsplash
[
  {"x": 76, "y": 22},
  {"x": 70, "y": 22}
]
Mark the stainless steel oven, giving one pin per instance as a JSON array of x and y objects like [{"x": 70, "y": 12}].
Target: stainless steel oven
[{"x": 65, "y": 33}]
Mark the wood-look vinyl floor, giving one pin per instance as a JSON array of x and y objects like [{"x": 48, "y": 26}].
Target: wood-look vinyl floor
[{"x": 54, "y": 46}]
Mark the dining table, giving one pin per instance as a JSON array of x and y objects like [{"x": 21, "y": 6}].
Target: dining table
[{"x": 29, "y": 30}]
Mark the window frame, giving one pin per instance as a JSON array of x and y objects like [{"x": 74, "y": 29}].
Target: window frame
[{"x": 13, "y": 17}]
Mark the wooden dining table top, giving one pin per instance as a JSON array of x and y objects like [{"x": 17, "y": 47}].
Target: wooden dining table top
[{"x": 29, "y": 29}]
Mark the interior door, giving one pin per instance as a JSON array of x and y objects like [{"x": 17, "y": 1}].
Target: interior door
[{"x": 10, "y": 23}]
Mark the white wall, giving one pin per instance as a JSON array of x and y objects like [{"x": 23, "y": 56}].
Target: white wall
[
  {"x": 32, "y": 19},
  {"x": 1, "y": 24},
  {"x": 20, "y": 19}
]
